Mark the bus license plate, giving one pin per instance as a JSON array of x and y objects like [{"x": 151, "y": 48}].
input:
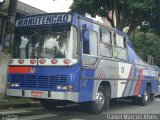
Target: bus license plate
[{"x": 36, "y": 93}]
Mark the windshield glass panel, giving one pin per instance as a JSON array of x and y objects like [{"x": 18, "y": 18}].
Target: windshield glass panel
[{"x": 45, "y": 43}]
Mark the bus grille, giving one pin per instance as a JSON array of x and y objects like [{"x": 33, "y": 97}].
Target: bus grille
[{"x": 40, "y": 82}]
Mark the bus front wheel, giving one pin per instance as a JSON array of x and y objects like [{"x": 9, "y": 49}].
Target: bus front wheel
[{"x": 102, "y": 101}]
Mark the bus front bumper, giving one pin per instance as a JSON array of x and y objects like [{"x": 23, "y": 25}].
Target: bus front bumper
[{"x": 71, "y": 96}]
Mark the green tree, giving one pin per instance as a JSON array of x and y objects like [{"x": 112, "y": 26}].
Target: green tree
[
  {"x": 127, "y": 12},
  {"x": 155, "y": 24},
  {"x": 148, "y": 46}
]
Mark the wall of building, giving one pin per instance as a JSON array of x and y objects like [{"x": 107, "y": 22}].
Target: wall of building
[
  {"x": 3, "y": 57},
  {"x": 3, "y": 74},
  {"x": 22, "y": 10},
  {"x": 25, "y": 9}
]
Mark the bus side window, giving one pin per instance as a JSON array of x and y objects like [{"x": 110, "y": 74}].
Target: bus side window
[
  {"x": 120, "y": 51},
  {"x": 90, "y": 41},
  {"x": 90, "y": 47},
  {"x": 106, "y": 43},
  {"x": 86, "y": 48}
]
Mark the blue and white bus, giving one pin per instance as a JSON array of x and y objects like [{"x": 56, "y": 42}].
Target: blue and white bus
[{"x": 66, "y": 57}]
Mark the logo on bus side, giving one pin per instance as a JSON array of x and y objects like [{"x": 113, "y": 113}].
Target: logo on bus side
[{"x": 44, "y": 20}]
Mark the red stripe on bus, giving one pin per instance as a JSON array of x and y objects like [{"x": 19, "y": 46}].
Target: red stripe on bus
[
  {"x": 139, "y": 82},
  {"x": 19, "y": 69}
]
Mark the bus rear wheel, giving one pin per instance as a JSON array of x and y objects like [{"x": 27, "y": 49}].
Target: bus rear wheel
[
  {"x": 102, "y": 101},
  {"x": 145, "y": 97},
  {"x": 48, "y": 104}
]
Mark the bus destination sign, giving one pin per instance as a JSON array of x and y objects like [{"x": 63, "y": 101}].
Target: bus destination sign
[{"x": 44, "y": 20}]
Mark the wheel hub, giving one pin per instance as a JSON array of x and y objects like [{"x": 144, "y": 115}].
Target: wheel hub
[
  {"x": 100, "y": 99},
  {"x": 146, "y": 96}
]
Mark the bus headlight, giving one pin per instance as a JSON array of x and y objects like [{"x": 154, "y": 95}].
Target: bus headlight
[
  {"x": 62, "y": 87},
  {"x": 59, "y": 87},
  {"x": 14, "y": 85},
  {"x": 65, "y": 87}
]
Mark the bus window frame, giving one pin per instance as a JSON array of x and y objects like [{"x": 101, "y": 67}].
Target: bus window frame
[
  {"x": 116, "y": 46},
  {"x": 93, "y": 66},
  {"x": 108, "y": 44}
]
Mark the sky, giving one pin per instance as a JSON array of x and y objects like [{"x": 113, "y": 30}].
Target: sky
[{"x": 50, "y": 5}]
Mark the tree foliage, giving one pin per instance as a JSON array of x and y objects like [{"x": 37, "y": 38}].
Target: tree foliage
[
  {"x": 147, "y": 43},
  {"x": 155, "y": 24},
  {"x": 128, "y": 12}
]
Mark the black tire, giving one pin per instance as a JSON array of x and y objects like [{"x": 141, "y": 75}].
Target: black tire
[
  {"x": 145, "y": 97},
  {"x": 102, "y": 102},
  {"x": 48, "y": 104},
  {"x": 108, "y": 97}
]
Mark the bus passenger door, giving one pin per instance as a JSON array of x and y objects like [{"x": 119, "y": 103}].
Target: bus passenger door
[{"x": 89, "y": 63}]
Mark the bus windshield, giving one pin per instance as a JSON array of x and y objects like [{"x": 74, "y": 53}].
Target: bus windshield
[{"x": 48, "y": 43}]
